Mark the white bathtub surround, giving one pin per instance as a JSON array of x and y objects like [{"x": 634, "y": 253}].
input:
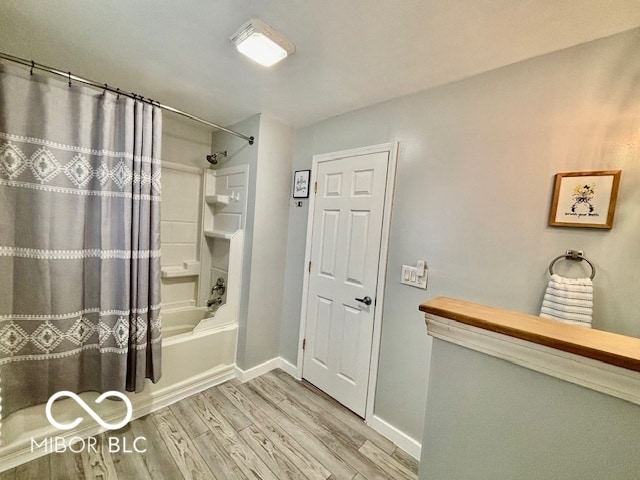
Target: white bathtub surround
[
  {"x": 224, "y": 212},
  {"x": 180, "y": 235},
  {"x": 202, "y": 238},
  {"x": 227, "y": 313},
  {"x": 190, "y": 268}
]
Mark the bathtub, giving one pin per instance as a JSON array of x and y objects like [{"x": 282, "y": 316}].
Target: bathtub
[
  {"x": 198, "y": 352},
  {"x": 185, "y": 320},
  {"x": 178, "y": 322},
  {"x": 194, "y": 320}
]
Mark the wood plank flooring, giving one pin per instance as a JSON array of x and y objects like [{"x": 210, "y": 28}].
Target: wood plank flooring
[{"x": 272, "y": 428}]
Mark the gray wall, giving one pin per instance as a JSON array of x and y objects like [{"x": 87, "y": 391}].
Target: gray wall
[
  {"x": 269, "y": 243},
  {"x": 475, "y": 176},
  {"x": 495, "y": 420},
  {"x": 269, "y": 161}
]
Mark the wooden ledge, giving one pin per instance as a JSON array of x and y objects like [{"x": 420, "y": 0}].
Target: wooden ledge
[{"x": 606, "y": 347}]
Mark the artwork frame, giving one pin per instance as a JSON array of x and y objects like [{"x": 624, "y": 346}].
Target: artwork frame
[
  {"x": 301, "y": 180},
  {"x": 585, "y": 199}
]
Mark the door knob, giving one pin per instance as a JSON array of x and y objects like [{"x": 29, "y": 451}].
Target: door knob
[{"x": 365, "y": 300}]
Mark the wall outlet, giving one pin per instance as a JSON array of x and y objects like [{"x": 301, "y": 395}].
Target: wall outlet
[{"x": 411, "y": 276}]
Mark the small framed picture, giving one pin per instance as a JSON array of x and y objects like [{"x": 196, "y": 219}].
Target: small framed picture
[
  {"x": 301, "y": 183},
  {"x": 585, "y": 199}
]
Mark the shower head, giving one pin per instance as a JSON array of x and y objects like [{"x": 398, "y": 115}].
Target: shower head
[{"x": 213, "y": 159}]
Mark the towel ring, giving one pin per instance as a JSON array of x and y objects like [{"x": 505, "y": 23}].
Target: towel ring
[{"x": 573, "y": 255}]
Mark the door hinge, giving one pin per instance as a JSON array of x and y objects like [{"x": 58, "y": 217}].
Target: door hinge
[
  {"x": 309, "y": 266},
  {"x": 315, "y": 188},
  {"x": 304, "y": 343}
]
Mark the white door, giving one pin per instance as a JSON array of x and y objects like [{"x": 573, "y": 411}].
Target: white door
[{"x": 345, "y": 252}]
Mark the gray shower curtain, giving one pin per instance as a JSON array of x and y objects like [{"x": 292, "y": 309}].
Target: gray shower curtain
[{"x": 79, "y": 240}]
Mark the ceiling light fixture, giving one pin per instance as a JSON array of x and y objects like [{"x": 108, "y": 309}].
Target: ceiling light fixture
[{"x": 262, "y": 43}]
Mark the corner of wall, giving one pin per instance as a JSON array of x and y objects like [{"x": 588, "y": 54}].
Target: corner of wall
[
  {"x": 239, "y": 152},
  {"x": 266, "y": 236}
]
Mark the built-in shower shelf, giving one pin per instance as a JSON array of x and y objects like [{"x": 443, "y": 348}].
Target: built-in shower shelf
[
  {"x": 218, "y": 234},
  {"x": 218, "y": 199},
  {"x": 188, "y": 269}
]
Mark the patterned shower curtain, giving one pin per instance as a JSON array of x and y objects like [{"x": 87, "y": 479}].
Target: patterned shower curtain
[{"x": 79, "y": 240}]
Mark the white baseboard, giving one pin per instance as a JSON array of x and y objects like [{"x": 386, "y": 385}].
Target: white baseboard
[
  {"x": 144, "y": 404},
  {"x": 278, "y": 362},
  {"x": 289, "y": 368},
  {"x": 246, "y": 375},
  {"x": 401, "y": 439}
]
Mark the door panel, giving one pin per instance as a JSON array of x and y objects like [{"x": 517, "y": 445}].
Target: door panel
[
  {"x": 345, "y": 251},
  {"x": 349, "y": 344},
  {"x": 356, "y": 255},
  {"x": 333, "y": 185},
  {"x": 321, "y": 345},
  {"x": 329, "y": 245},
  {"x": 362, "y": 183}
]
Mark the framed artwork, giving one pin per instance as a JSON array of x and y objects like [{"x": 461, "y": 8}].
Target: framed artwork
[
  {"x": 585, "y": 199},
  {"x": 301, "y": 184}
]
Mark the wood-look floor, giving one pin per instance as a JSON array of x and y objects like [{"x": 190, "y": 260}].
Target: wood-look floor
[{"x": 271, "y": 428}]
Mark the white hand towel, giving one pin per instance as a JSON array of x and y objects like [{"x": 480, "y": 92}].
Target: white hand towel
[{"x": 569, "y": 300}]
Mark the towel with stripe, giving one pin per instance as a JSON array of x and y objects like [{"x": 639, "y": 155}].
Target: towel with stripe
[{"x": 569, "y": 300}]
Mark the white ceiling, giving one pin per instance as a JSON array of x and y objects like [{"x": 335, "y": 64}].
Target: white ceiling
[{"x": 350, "y": 53}]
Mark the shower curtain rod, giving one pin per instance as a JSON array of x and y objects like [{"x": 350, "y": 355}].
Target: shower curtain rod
[{"x": 71, "y": 77}]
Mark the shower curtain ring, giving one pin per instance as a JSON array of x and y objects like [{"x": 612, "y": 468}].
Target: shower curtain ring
[
  {"x": 118, "y": 92},
  {"x": 32, "y": 65},
  {"x": 69, "y": 73},
  {"x": 105, "y": 89}
]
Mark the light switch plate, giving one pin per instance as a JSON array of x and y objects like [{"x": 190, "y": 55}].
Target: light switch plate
[{"x": 409, "y": 276}]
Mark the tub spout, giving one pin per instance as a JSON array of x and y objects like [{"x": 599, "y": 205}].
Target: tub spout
[
  {"x": 214, "y": 301},
  {"x": 220, "y": 287}
]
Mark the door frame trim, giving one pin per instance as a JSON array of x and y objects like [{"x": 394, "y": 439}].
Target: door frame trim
[{"x": 392, "y": 149}]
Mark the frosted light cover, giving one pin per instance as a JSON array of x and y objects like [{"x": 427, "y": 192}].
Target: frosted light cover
[{"x": 261, "y": 49}]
